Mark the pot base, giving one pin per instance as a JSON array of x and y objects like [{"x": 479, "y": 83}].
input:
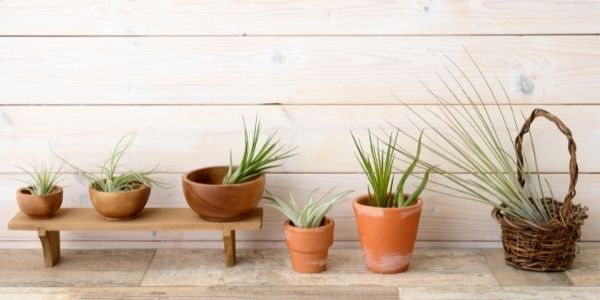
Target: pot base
[
  {"x": 219, "y": 220},
  {"x": 120, "y": 219}
]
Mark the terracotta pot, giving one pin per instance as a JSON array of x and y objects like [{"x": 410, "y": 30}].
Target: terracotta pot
[
  {"x": 387, "y": 235},
  {"x": 39, "y": 207},
  {"x": 309, "y": 246},
  {"x": 218, "y": 202},
  {"x": 120, "y": 205}
]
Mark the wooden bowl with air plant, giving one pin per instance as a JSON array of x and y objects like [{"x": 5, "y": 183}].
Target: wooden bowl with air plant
[
  {"x": 41, "y": 198},
  {"x": 120, "y": 196},
  {"x": 224, "y": 194}
]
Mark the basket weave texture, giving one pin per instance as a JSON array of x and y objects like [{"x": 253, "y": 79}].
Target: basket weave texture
[{"x": 552, "y": 246}]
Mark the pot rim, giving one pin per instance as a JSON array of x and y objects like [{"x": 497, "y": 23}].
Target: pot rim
[
  {"x": 142, "y": 187},
  {"x": 359, "y": 201},
  {"x": 328, "y": 223},
  {"x": 57, "y": 190},
  {"x": 188, "y": 181}
]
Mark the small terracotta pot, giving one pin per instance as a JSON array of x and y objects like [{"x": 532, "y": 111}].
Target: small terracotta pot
[
  {"x": 387, "y": 235},
  {"x": 309, "y": 246},
  {"x": 39, "y": 207},
  {"x": 218, "y": 202},
  {"x": 120, "y": 205}
]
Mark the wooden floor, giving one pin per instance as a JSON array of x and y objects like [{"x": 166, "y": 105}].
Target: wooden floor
[{"x": 266, "y": 274}]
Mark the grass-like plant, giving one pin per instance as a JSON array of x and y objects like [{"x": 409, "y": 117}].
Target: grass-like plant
[
  {"x": 256, "y": 159},
  {"x": 109, "y": 179},
  {"x": 313, "y": 212},
  {"x": 42, "y": 178},
  {"x": 476, "y": 147},
  {"x": 378, "y": 164}
]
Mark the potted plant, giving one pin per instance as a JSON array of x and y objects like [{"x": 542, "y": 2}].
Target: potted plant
[
  {"x": 308, "y": 230},
  {"x": 229, "y": 193},
  {"x": 118, "y": 195},
  {"x": 42, "y": 197},
  {"x": 538, "y": 232},
  {"x": 386, "y": 217}
]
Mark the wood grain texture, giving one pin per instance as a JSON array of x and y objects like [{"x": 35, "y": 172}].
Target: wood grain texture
[
  {"x": 283, "y": 69},
  {"x": 182, "y": 138},
  {"x": 442, "y": 219},
  {"x": 499, "y": 293},
  {"x": 76, "y": 268},
  {"x": 314, "y": 17},
  {"x": 586, "y": 268},
  {"x": 150, "y": 219},
  {"x": 429, "y": 267}
]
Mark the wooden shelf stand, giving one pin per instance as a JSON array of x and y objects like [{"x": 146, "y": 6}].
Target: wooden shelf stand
[{"x": 151, "y": 219}]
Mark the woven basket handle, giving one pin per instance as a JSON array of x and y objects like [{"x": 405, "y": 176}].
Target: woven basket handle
[{"x": 573, "y": 169}]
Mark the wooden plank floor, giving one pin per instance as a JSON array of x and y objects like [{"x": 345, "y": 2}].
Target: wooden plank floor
[{"x": 266, "y": 274}]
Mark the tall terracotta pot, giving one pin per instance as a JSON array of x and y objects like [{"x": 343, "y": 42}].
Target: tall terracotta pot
[
  {"x": 39, "y": 207},
  {"x": 120, "y": 205},
  {"x": 309, "y": 247},
  {"x": 214, "y": 201},
  {"x": 387, "y": 235}
]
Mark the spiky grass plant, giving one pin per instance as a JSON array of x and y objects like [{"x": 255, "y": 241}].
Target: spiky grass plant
[
  {"x": 313, "y": 212},
  {"x": 378, "y": 162},
  {"x": 109, "y": 180},
  {"x": 42, "y": 178},
  {"x": 256, "y": 159},
  {"x": 476, "y": 148}
]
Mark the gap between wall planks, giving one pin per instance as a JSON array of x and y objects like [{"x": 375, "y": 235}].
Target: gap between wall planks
[
  {"x": 181, "y": 138},
  {"x": 287, "y": 69},
  {"x": 312, "y": 17},
  {"x": 443, "y": 219}
]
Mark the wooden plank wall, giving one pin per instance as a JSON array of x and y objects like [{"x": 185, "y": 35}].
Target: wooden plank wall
[{"x": 78, "y": 74}]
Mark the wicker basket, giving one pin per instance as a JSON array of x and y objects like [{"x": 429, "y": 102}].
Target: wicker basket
[{"x": 544, "y": 247}]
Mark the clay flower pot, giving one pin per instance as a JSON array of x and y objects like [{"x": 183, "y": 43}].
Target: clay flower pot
[
  {"x": 387, "y": 235},
  {"x": 308, "y": 247},
  {"x": 39, "y": 207},
  {"x": 120, "y": 205},
  {"x": 218, "y": 202}
]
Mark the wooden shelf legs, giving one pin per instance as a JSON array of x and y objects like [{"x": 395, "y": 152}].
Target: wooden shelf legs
[
  {"x": 50, "y": 245},
  {"x": 229, "y": 241}
]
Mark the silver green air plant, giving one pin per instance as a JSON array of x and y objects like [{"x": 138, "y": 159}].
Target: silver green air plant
[
  {"x": 110, "y": 179},
  {"x": 256, "y": 158},
  {"x": 475, "y": 147},
  {"x": 313, "y": 212},
  {"x": 377, "y": 163},
  {"x": 42, "y": 178}
]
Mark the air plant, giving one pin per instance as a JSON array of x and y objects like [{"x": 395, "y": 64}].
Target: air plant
[
  {"x": 378, "y": 162},
  {"x": 256, "y": 159},
  {"x": 313, "y": 212},
  {"x": 109, "y": 180},
  {"x": 491, "y": 173},
  {"x": 42, "y": 178}
]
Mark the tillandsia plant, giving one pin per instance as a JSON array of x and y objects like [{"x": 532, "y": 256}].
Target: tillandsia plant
[
  {"x": 42, "y": 178},
  {"x": 109, "y": 180},
  {"x": 476, "y": 147},
  {"x": 256, "y": 159},
  {"x": 378, "y": 164},
  {"x": 313, "y": 212}
]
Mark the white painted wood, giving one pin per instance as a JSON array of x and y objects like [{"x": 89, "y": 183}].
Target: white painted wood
[
  {"x": 283, "y": 69},
  {"x": 313, "y": 17},
  {"x": 443, "y": 219},
  {"x": 182, "y": 138}
]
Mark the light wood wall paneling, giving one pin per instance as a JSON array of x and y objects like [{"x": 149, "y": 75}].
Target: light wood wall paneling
[
  {"x": 443, "y": 219},
  {"x": 283, "y": 69},
  {"x": 181, "y": 138},
  {"x": 314, "y": 17}
]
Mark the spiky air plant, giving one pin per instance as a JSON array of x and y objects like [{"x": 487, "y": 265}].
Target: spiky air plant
[
  {"x": 42, "y": 178},
  {"x": 256, "y": 159},
  {"x": 378, "y": 164},
  {"x": 109, "y": 179},
  {"x": 476, "y": 147},
  {"x": 312, "y": 213}
]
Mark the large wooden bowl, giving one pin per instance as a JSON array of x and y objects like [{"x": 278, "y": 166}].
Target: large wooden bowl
[{"x": 218, "y": 202}]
